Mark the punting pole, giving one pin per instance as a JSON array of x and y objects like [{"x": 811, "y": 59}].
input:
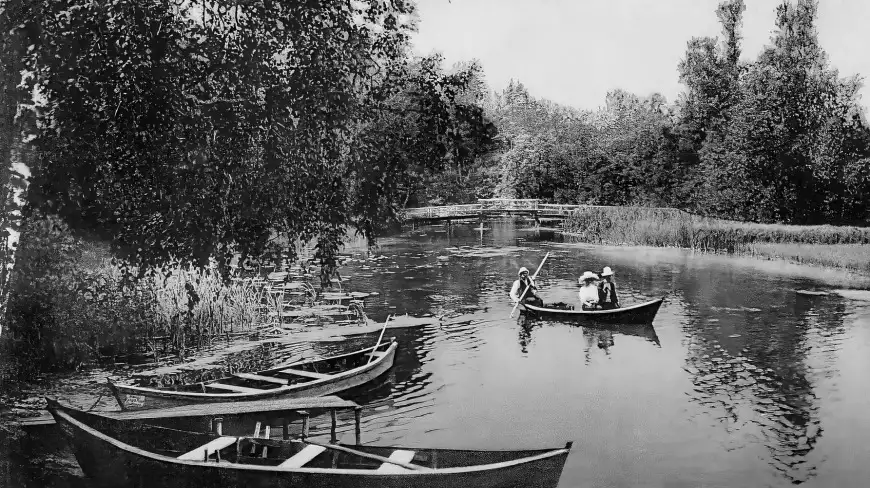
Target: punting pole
[
  {"x": 379, "y": 340},
  {"x": 382, "y": 459}
]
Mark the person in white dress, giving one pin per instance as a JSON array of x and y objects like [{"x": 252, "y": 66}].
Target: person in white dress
[{"x": 588, "y": 291}]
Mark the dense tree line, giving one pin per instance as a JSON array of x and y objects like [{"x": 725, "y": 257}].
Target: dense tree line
[{"x": 778, "y": 139}]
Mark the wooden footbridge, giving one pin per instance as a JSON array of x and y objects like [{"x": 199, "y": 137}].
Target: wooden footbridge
[{"x": 491, "y": 207}]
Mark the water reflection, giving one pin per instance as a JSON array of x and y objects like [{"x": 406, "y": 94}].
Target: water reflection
[
  {"x": 600, "y": 335},
  {"x": 730, "y": 387},
  {"x": 750, "y": 368}
]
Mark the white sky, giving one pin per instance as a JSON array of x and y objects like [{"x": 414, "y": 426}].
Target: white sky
[{"x": 574, "y": 51}]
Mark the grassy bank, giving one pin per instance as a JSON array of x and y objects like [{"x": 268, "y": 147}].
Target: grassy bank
[
  {"x": 69, "y": 306},
  {"x": 824, "y": 245}
]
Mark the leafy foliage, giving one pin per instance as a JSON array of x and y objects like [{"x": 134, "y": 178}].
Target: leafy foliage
[
  {"x": 62, "y": 308},
  {"x": 182, "y": 132},
  {"x": 70, "y": 305}
]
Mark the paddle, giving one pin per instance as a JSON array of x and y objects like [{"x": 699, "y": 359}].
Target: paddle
[
  {"x": 529, "y": 287},
  {"x": 382, "y": 459},
  {"x": 379, "y": 339}
]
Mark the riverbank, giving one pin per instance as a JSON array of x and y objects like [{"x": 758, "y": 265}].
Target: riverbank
[{"x": 840, "y": 247}]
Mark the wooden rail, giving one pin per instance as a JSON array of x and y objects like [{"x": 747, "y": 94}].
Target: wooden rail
[
  {"x": 258, "y": 407},
  {"x": 492, "y": 206}
]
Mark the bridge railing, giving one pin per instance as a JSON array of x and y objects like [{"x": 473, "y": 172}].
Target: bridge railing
[
  {"x": 516, "y": 204},
  {"x": 491, "y": 205},
  {"x": 445, "y": 211},
  {"x": 558, "y": 208}
]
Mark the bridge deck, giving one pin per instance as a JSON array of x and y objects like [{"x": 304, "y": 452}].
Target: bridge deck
[{"x": 492, "y": 206}]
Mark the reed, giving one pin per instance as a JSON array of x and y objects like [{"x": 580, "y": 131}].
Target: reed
[
  {"x": 209, "y": 307},
  {"x": 837, "y": 246},
  {"x": 189, "y": 307},
  {"x": 850, "y": 256}
]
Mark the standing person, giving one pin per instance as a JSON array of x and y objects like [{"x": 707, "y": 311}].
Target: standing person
[
  {"x": 589, "y": 293},
  {"x": 520, "y": 286},
  {"x": 607, "y": 290}
]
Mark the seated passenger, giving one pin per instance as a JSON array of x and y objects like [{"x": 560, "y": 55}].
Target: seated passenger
[
  {"x": 589, "y": 297},
  {"x": 607, "y": 291}
]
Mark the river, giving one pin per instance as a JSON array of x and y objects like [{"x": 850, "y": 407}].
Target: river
[{"x": 741, "y": 381}]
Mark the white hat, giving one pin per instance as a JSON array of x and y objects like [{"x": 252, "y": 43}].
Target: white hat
[
  {"x": 607, "y": 271},
  {"x": 522, "y": 270},
  {"x": 588, "y": 275}
]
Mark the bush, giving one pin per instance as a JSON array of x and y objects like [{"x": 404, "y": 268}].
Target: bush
[{"x": 69, "y": 304}]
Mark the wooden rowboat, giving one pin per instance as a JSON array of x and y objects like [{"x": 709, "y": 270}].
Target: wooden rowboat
[
  {"x": 641, "y": 313},
  {"x": 296, "y": 380},
  {"x": 118, "y": 454}
]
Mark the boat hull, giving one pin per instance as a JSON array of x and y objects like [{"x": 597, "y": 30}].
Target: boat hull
[
  {"x": 111, "y": 463},
  {"x": 139, "y": 398},
  {"x": 642, "y": 313}
]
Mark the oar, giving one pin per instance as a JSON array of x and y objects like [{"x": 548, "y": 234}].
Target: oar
[
  {"x": 530, "y": 283},
  {"x": 382, "y": 459},
  {"x": 379, "y": 340}
]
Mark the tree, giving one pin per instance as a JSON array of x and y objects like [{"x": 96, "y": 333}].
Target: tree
[
  {"x": 188, "y": 132},
  {"x": 430, "y": 129},
  {"x": 788, "y": 127}
]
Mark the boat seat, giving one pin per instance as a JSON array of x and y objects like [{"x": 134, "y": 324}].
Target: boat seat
[
  {"x": 307, "y": 374},
  {"x": 400, "y": 456},
  {"x": 300, "y": 458},
  {"x": 233, "y": 388},
  {"x": 200, "y": 452},
  {"x": 258, "y": 377},
  {"x": 379, "y": 354}
]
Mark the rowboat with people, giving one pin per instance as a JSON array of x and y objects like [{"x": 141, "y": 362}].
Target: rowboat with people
[
  {"x": 295, "y": 380},
  {"x": 641, "y": 313},
  {"x": 138, "y": 455}
]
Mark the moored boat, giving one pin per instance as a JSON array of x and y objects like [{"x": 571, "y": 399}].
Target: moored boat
[
  {"x": 301, "y": 379},
  {"x": 135, "y": 455},
  {"x": 641, "y": 313}
]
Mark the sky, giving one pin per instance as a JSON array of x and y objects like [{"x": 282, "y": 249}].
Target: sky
[{"x": 574, "y": 51}]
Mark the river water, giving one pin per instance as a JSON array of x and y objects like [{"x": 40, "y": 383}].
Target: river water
[{"x": 741, "y": 381}]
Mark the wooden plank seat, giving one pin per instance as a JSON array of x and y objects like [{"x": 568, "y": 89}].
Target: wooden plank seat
[
  {"x": 200, "y": 453},
  {"x": 379, "y": 353},
  {"x": 399, "y": 455},
  {"x": 233, "y": 388},
  {"x": 307, "y": 374},
  {"x": 258, "y": 377},
  {"x": 302, "y": 457}
]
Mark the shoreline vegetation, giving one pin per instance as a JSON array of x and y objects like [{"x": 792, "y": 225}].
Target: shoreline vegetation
[
  {"x": 70, "y": 307},
  {"x": 843, "y": 247}
]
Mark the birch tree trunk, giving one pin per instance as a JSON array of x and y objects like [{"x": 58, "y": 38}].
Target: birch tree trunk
[{"x": 17, "y": 122}]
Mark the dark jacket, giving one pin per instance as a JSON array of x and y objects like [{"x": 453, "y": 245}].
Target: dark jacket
[{"x": 607, "y": 296}]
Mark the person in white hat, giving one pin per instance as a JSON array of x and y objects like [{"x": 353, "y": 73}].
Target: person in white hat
[
  {"x": 520, "y": 286},
  {"x": 607, "y": 290},
  {"x": 589, "y": 295}
]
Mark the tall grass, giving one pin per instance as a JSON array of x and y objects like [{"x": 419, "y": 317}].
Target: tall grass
[
  {"x": 672, "y": 227},
  {"x": 850, "y": 256},
  {"x": 818, "y": 244},
  {"x": 216, "y": 308},
  {"x": 70, "y": 306}
]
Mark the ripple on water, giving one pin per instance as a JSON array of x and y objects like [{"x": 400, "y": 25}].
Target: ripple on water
[{"x": 739, "y": 391}]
